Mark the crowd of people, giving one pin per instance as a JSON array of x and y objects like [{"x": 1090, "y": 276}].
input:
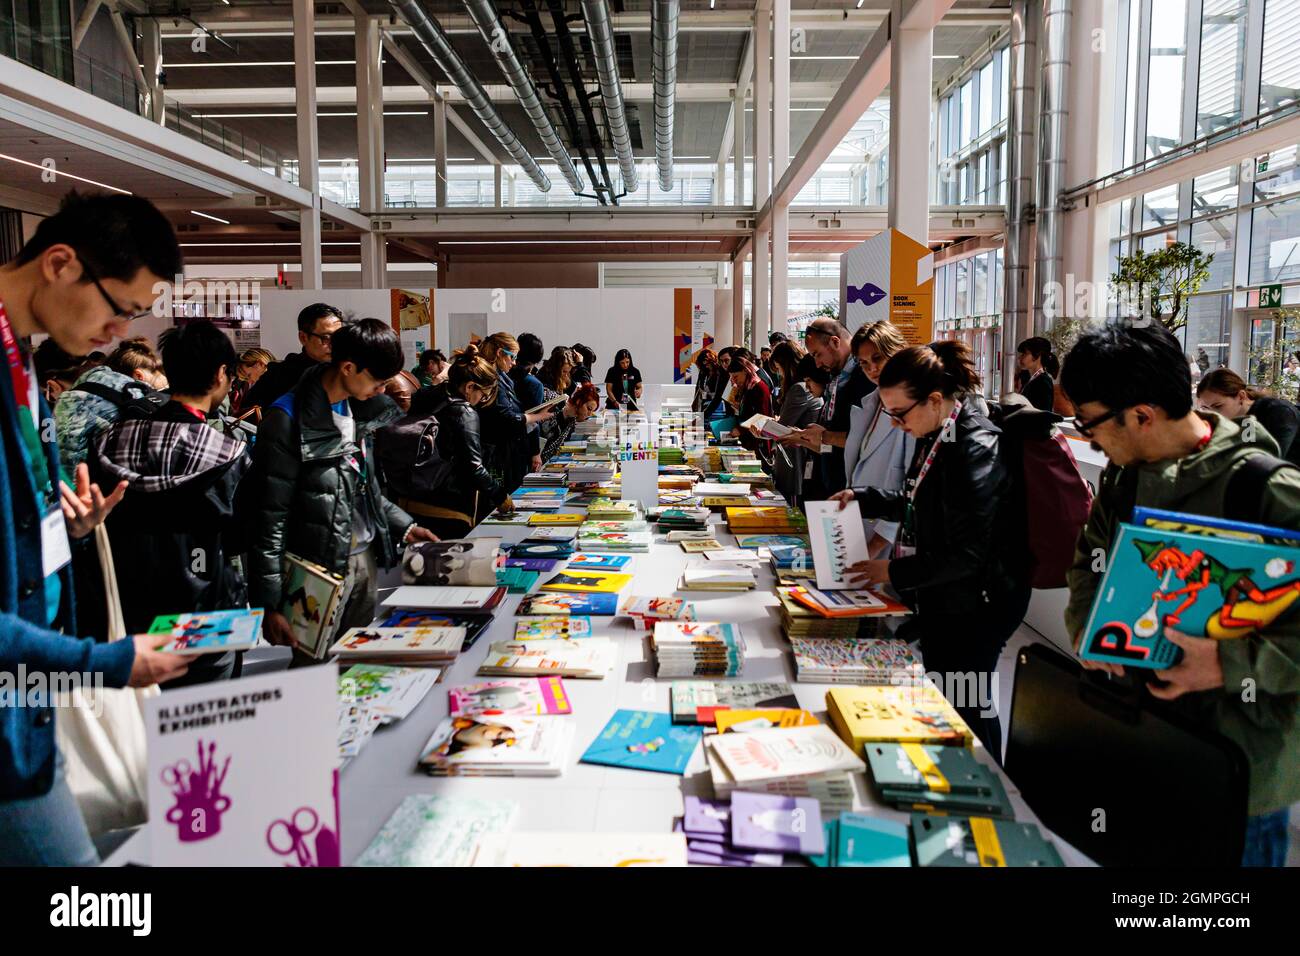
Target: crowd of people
[{"x": 341, "y": 455}]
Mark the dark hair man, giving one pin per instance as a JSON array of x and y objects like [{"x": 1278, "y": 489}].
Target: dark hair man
[{"x": 317, "y": 324}]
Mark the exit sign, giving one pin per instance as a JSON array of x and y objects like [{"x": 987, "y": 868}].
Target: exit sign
[{"x": 1270, "y": 296}]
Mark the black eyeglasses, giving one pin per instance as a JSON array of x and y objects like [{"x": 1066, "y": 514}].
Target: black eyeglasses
[
  {"x": 118, "y": 311},
  {"x": 900, "y": 416},
  {"x": 325, "y": 337},
  {"x": 1085, "y": 428}
]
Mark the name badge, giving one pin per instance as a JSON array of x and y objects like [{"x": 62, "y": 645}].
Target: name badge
[
  {"x": 55, "y": 550},
  {"x": 904, "y": 550},
  {"x": 808, "y": 468}
]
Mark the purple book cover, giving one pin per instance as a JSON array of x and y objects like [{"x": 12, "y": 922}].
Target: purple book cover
[
  {"x": 679, "y": 827},
  {"x": 717, "y": 854},
  {"x": 704, "y": 817},
  {"x": 761, "y": 821}
]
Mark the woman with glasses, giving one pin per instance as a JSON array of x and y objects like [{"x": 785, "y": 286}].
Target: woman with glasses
[
  {"x": 955, "y": 560},
  {"x": 504, "y": 423}
]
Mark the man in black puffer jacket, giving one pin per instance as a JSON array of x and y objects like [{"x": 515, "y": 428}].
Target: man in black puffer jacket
[{"x": 314, "y": 491}]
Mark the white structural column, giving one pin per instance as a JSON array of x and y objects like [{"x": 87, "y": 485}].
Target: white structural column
[
  {"x": 760, "y": 315},
  {"x": 496, "y": 185},
  {"x": 738, "y": 97},
  {"x": 151, "y": 55},
  {"x": 780, "y": 160},
  {"x": 440, "y": 150},
  {"x": 910, "y": 79},
  {"x": 370, "y": 149},
  {"x": 304, "y": 75}
]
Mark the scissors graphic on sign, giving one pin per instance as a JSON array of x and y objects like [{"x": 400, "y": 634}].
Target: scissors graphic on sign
[{"x": 289, "y": 837}]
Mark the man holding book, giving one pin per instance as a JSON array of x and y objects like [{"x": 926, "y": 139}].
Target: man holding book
[{"x": 1131, "y": 389}]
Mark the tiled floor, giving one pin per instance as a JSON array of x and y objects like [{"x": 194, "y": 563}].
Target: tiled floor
[{"x": 1006, "y": 675}]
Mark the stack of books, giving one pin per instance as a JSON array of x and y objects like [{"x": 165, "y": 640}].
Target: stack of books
[
  {"x": 937, "y": 779},
  {"x": 699, "y": 702},
  {"x": 671, "y": 454},
  {"x": 792, "y": 564},
  {"x": 790, "y": 761},
  {"x": 853, "y": 603},
  {"x": 587, "y": 472},
  {"x": 766, "y": 520},
  {"x": 698, "y": 649},
  {"x": 563, "y": 534},
  {"x": 979, "y": 841},
  {"x": 597, "y": 538},
  {"x": 918, "y": 714},
  {"x": 681, "y": 519},
  {"x": 707, "y": 826},
  {"x": 717, "y": 578},
  {"x": 799, "y": 621},
  {"x": 562, "y": 603},
  {"x": 591, "y": 658},
  {"x": 541, "y": 550},
  {"x": 854, "y": 660},
  {"x": 755, "y": 481},
  {"x": 527, "y": 697},
  {"x": 399, "y": 645},
  {"x": 539, "y": 497},
  {"x": 517, "y": 580},
  {"x": 507, "y": 518},
  {"x": 371, "y": 695},
  {"x": 646, "y": 612},
  {"x": 856, "y": 839},
  {"x": 498, "y": 747},
  {"x": 610, "y": 509},
  {"x": 474, "y": 624}
]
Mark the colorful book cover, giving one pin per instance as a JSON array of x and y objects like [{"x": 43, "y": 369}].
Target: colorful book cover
[
  {"x": 861, "y": 840},
  {"x": 706, "y": 819},
  {"x": 701, "y": 546},
  {"x": 312, "y": 598},
  {"x": 1201, "y": 585},
  {"x": 745, "y": 721},
  {"x": 540, "y": 565},
  {"x": 527, "y": 697},
  {"x": 588, "y": 561},
  {"x": 838, "y": 542},
  {"x": 552, "y": 534},
  {"x": 550, "y": 550},
  {"x": 644, "y": 740},
  {"x": 784, "y": 752},
  {"x": 474, "y": 624},
  {"x": 922, "y": 767},
  {"x": 1160, "y": 520},
  {"x": 979, "y": 841},
  {"x": 208, "y": 632},
  {"x": 904, "y": 714},
  {"x": 469, "y": 561},
  {"x": 506, "y": 746},
  {"x": 764, "y": 821},
  {"x": 698, "y": 702},
  {"x": 553, "y": 628},
  {"x": 588, "y": 582},
  {"x": 771, "y": 541},
  {"x": 402, "y": 641},
  {"x": 427, "y": 830},
  {"x": 549, "y": 605},
  {"x": 550, "y": 520}
]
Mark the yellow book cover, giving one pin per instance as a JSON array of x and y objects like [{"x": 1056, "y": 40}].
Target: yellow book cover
[
  {"x": 557, "y": 520},
  {"x": 699, "y": 547},
  {"x": 587, "y": 582},
  {"x": 774, "y": 717},
  {"x": 907, "y": 714}
]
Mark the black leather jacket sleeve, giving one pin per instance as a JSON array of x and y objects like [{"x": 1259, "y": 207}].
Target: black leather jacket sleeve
[
  {"x": 276, "y": 464},
  {"x": 878, "y": 503},
  {"x": 468, "y": 454},
  {"x": 964, "y": 503}
]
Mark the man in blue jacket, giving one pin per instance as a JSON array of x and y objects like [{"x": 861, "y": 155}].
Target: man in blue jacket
[{"x": 88, "y": 270}]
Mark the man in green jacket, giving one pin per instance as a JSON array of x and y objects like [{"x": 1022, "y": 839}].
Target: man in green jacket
[{"x": 1132, "y": 391}]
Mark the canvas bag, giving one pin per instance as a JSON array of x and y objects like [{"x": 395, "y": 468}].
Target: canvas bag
[{"x": 101, "y": 733}]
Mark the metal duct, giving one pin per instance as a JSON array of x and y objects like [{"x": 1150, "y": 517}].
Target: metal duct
[
  {"x": 1022, "y": 61},
  {"x": 663, "y": 37},
  {"x": 435, "y": 40},
  {"x": 1058, "y": 17},
  {"x": 494, "y": 34},
  {"x": 596, "y": 15}
]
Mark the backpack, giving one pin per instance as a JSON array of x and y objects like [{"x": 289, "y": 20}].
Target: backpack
[
  {"x": 407, "y": 452},
  {"x": 1053, "y": 495},
  {"x": 133, "y": 401},
  {"x": 1243, "y": 496}
]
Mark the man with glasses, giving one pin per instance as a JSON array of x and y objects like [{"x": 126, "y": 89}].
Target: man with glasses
[
  {"x": 85, "y": 273},
  {"x": 1132, "y": 392},
  {"x": 317, "y": 324}
]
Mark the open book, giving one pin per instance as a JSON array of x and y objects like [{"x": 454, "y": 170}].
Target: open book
[{"x": 767, "y": 426}]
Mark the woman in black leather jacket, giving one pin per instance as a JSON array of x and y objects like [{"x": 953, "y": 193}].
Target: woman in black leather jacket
[
  {"x": 463, "y": 481},
  {"x": 959, "y": 557}
]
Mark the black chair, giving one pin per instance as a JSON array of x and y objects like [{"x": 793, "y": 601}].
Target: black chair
[{"x": 1117, "y": 774}]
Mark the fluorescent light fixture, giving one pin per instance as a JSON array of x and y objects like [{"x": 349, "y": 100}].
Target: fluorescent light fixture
[
  {"x": 947, "y": 56},
  {"x": 59, "y": 172},
  {"x": 224, "y": 222},
  {"x": 319, "y": 115},
  {"x": 204, "y": 64},
  {"x": 858, "y": 7}
]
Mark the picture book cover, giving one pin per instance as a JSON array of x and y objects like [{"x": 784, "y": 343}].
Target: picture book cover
[
  {"x": 555, "y": 520},
  {"x": 312, "y": 599},
  {"x": 706, "y": 819},
  {"x": 428, "y": 830},
  {"x": 861, "y": 840},
  {"x": 644, "y": 740},
  {"x": 979, "y": 841},
  {"x": 837, "y": 542},
  {"x": 700, "y": 546},
  {"x": 1201, "y": 585},
  {"x": 470, "y": 561},
  {"x": 589, "y": 561},
  {"x": 527, "y": 697},
  {"x": 392, "y": 692},
  {"x": 245, "y": 773},
  {"x": 588, "y": 582},
  {"x": 550, "y": 550},
  {"x": 764, "y": 821},
  {"x": 551, "y": 628},
  {"x": 784, "y": 752},
  {"x": 435, "y": 642},
  {"x": 1160, "y": 520},
  {"x": 208, "y": 632},
  {"x": 549, "y": 605},
  {"x": 558, "y": 495},
  {"x": 922, "y": 767},
  {"x": 581, "y": 849},
  {"x": 590, "y": 659},
  {"x": 526, "y": 746},
  {"x": 755, "y": 541},
  {"x": 698, "y": 702},
  {"x": 537, "y": 565},
  {"x": 659, "y": 608},
  {"x": 474, "y": 624},
  {"x": 746, "y": 721},
  {"x": 903, "y": 714}
]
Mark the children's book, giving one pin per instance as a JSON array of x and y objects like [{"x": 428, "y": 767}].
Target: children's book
[
  {"x": 207, "y": 632},
  {"x": 549, "y": 605},
  {"x": 764, "y": 821},
  {"x": 855, "y": 839},
  {"x": 474, "y": 624},
  {"x": 1200, "y": 584},
  {"x": 904, "y": 714},
  {"x": 588, "y": 561},
  {"x": 463, "y": 599},
  {"x": 587, "y": 582},
  {"x": 590, "y": 659},
  {"x": 979, "y": 841},
  {"x": 391, "y": 692},
  {"x": 783, "y": 753},
  {"x": 581, "y": 849},
  {"x": 556, "y": 520},
  {"x": 540, "y": 565},
  {"x": 1218, "y": 527},
  {"x": 428, "y": 830},
  {"x": 469, "y": 561},
  {"x": 747, "y": 721},
  {"x": 644, "y": 740},
  {"x": 701, "y": 546},
  {"x": 409, "y": 645},
  {"x": 312, "y": 600},
  {"x": 550, "y": 550},
  {"x": 699, "y": 702},
  {"x": 482, "y": 746},
  {"x": 771, "y": 541},
  {"x": 550, "y": 628},
  {"x": 526, "y": 697},
  {"x": 837, "y": 542},
  {"x": 551, "y": 534}
]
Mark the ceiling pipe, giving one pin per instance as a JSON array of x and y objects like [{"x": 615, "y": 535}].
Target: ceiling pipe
[
  {"x": 663, "y": 38},
  {"x": 564, "y": 38},
  {"x": 493, "y": 31},
  {"x": 431, "y": 34},
  {"x": 595, "y": 13}
]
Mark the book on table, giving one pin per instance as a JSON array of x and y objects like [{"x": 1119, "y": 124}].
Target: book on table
[
  {"x": 498, "y": 747},
  {"x": 581, "y": 849},
  {"x": 588, "y": 582},
  {"x": 784, "y": 753},
  {"x": 403, "y": 645},
  {"x": 590, "y": 659},
  {"x": 854, "y": 660},
  {"x": 979, "y": 842},
  {"x": 468, "y": 561},
  {"x": 698, "y": 648},
  {"x": 706, "y": 824},
  {"x": 465, "y": 600},
  {"x": 744, "y": 721},
  {"x": 570, "y": 603},
  {"x": 644, "y": 740},
  {"x": 523, "y": 697},
  {"x": 916, "y": 713},
  {"x": 765, "y": 821},
  {"x": 429, "y": 830},
  {"x": 698, "y": 702},
  {"x": 855, "y": 839},
  {"x": 549, "y": 628},
  {"x": 391, "y": 691}
]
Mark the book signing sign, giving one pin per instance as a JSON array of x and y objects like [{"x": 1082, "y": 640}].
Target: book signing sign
[{"x": 890, "y": 276}]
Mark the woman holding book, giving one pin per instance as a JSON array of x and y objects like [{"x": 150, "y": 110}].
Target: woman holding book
[
  {"x": 955, "y": 558},
  {"x": 876, "y": 455},
  {"x": 797, "y": 408},
  {"x": 753, "y": 398},
  {"x": 555, "y": 431}
]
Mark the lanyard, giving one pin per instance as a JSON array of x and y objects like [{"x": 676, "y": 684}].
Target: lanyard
[
  {"x": 934, "y": 450},
  {"x": 26, "y": 399}
]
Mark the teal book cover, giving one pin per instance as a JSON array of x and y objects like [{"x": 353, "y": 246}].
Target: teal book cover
[
  {"x": 993, "y": 803},
  {"x": 644, "y": 740},
  {"x": 865, "y": 841},
  {"x": 925, "y": 767},
  {"x": 978, "y": 841},
  {"x": 1201, "y": 585}
]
